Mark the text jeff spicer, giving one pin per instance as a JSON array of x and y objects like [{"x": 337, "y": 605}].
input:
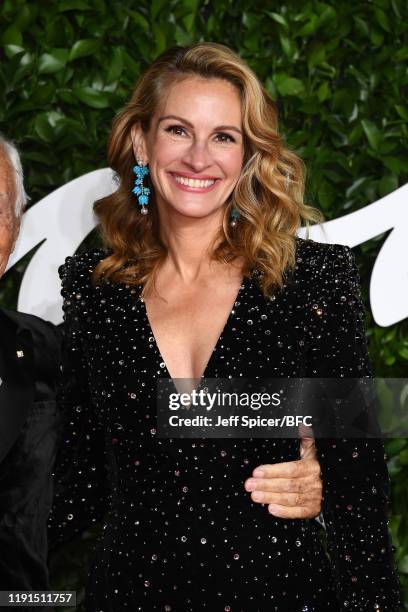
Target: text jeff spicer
[{"x": 241, "y": 421}]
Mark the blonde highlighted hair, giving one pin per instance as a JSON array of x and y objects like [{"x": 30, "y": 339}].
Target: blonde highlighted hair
[{"x": 268, "y": 194}]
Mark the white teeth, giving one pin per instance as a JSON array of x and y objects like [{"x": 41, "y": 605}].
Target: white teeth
[{"x": 193, "y": 182}]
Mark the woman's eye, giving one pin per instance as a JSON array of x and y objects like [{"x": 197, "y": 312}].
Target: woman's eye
[
  {"x": 175, "y": 129},
  {"x": 178, "y": 130},
  {"x": 230, "y": 138}
]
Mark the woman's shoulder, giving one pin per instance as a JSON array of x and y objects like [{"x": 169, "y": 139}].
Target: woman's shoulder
[
  {"x": 326, "y": 272},
  {"x": 75, "y": 273},
  {"x": 323, "y": 260},
  {"x": 312, "y": 251}
]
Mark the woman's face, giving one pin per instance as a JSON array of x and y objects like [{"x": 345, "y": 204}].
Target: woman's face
[{"x": 197, "y": 136}]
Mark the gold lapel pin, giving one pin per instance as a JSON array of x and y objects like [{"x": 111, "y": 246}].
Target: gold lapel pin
[{"x": 20, "y": 354}]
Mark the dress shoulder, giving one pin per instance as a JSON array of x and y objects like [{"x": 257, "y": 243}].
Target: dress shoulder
[
  {"x": 75, "y": 273},
  {"x": 326, "y": 267},
  {"x": 311, "y": 252}
]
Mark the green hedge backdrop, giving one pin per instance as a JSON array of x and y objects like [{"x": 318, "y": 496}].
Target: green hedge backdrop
[{"x": 336, "y": 70}]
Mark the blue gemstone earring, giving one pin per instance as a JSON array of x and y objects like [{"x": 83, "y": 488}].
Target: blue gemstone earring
[
  {"x": 235, "y": 215},
  {"x": 139, "y": 189}
]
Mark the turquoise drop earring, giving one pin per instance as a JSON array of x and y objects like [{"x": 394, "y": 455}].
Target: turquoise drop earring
[
  {"x": 234, "y": 217},
  {"x": 139, "y": 189}
]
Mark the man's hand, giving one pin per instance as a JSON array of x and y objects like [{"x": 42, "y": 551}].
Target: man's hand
[{"x": 293, "y": 489}]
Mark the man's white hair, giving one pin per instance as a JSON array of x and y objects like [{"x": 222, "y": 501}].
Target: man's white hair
[{"x": 12, "y": 153}]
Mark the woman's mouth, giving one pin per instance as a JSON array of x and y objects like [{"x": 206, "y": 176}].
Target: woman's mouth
[{"x": 193, "y": 185}]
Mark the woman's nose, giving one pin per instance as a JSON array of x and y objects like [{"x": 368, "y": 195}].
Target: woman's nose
[{"x": 198, "y": 156}]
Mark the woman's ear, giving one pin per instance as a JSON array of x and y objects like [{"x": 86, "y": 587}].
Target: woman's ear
[{"x": 138, "y": 143}]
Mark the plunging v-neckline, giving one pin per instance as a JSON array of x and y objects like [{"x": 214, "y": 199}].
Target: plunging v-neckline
[{"x": 159, "y": 354}]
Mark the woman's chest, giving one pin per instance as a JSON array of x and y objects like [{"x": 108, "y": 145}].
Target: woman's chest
[{"x": 261, "y": 338}]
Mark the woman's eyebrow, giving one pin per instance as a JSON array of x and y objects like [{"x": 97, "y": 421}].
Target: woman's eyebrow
[{"x": 220, "y": 127}]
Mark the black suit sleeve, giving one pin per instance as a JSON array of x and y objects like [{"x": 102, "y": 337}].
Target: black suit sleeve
[
  {"x": 80, "y": 480},
  {"x": 354, "y": 471}
]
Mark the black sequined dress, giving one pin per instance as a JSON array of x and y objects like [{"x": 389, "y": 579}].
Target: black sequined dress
[{"x": 180, "y": 533}]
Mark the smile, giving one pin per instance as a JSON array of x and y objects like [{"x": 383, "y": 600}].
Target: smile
[{"x": 197, "y": 185}]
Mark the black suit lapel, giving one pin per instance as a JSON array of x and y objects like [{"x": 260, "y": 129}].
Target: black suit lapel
[{"x": 17, "y": 380}]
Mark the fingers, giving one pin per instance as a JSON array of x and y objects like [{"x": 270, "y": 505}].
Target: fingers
[
  {"x": 298, "y": 512},
  {"x": 307, "y": 448},
  {"x": 286, "y": 499},
  {"x": 284, "y": 485},
  {"x": 289, "y": 469},
  {"x": 292, "y": 489},
  {"x": 296, "y": 498}
]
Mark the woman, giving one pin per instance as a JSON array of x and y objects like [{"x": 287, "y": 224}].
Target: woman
[{"x": 204, "y": 276}]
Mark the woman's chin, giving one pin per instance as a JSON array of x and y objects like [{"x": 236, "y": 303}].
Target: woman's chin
[
  {"x": 194, "y": 215},
  {"x": 191, "y": 209}
]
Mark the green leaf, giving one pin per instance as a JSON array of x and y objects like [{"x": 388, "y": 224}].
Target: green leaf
[
  {"x": 12, "y": 36},
  {"x": 271, "y": 88},
  {"x": 138, "y": 18},
  {"x": 328, "y": 15},
  {"x": 288, "y": 45},
  {"x": 316, "y": 56},
  {"x": 355, "y": 135},
  {"x": 394, "y": 470},
  {"x": 403, "y": 352},
  {"x": 387, "y": 147},
  {"x": 327, "y": 195},
  {"x": 160, "y": 38},
  {"x": 155, "y": 8},
  {"x": 278, "y": 18},
  {"x": 73, "y": 5},
  {"x": 362, "y": 25},
  {"x": 288, "y": 86},
  {"x": 310, "y": 27},
  {"x": 402, "y": 54},
  {"x": 116, "y": 65},
  {"x": 84, "y": 47},
  {"x": 323, "y": 91},
  {"x": 91, "y": 97},
  {"x": 373, "y": 134},
  {"x": 12, "y": 50},
  {"x": 37, "y": 156},
  {"x": 395, "y": 164},
  {"x": 191, "y": 5},
  {"x": 382, "y": 19},
  {"x": 402, "y": 111},
  {"x": 53, "y": 61},
  {"x": 66, "y": 96},
  {"x": 189, "y": 18},
  {"x": 403, "y": 565},
  {"x": 182, "y": 37},
  {"x": 386, "y": 185},
  {"x": 403, "y": 457},
  {"x": 394, "y": 447},
  {"x": 357, "y": 185},
  {"x": 43, "y": 128},
  {"x": 377, "y": 38}
]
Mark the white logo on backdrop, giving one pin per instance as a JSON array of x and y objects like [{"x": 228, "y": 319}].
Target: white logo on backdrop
[{"x": 61, "y": 221}]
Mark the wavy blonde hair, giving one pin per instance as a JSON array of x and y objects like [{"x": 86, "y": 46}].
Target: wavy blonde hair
[{"x": 268, "y": 194}]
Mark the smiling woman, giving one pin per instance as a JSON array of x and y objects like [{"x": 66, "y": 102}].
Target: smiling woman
[
  {"x": 181, "y": 292},
  {"x": 202, "y": 114},
  {"x": 203, "y": 102}
]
